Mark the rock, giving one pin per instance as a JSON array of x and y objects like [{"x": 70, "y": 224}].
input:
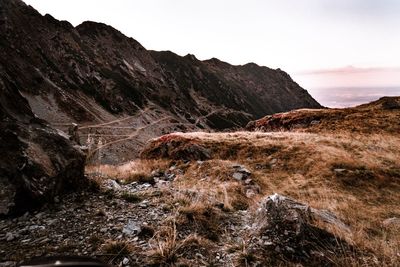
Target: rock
[
  {"x": 337, "y": 171},
  {"x": 112, "y": 184},
  {"x": 248, "y": 181},
  {"x": 157, "y": 173},
  {"x": 125, "y": 261},
  {"x": 244, "y": 171},
  {"x": 170, "y": 176},
  {"x": 237, "y": 166},
  {"x": 172, "y": 168},
  {"x": 36, "y": 227},
  {"x": 291, "y": 227},
  {"x": 241, "y": 173},
  {"x": 36, "y": 163},
  {"x": 51, "y": 221},
  {"x": 131, "y": 228},
  {"x": 394, "y": 221},
  {"x": 238, "y": 176},
  {"x": 250, "y": 193},
  {"x": 8, "y": 264},
  {"x": 241, "y": 168},
  {"x": 10, "y": 237}
]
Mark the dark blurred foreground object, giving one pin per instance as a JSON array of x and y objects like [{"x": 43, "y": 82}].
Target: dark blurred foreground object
[
  {"x": 64, "y": 261},
  {"x": 37, "y": 163}
]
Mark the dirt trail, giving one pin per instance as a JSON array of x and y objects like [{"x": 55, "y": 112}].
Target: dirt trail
[
  {"x": 142, "y": 112},
  {"x": 131, "y": 136}
]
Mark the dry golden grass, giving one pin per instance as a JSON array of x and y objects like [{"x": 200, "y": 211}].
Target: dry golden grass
[
  {"x": 381, "y": 116},
  {"x": 114, "y": 251},
  {"x": 304, "y": 166},
  {"x": 168, "y": 249},
  {"x": 133, "y": 171}
]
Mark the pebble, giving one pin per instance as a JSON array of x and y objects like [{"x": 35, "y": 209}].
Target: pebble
[
  {"x": 339, "y": 170},
  {"x": 131, "y": 228},
  {"x": 248, "y": 181},
  {"x": 35, "y": 227},
  {"x": 10, "y": 237},
  {"x": 238, "y": 176},
  {"x": 268, "y": 243},
  {"x": 125, "y": 261}
]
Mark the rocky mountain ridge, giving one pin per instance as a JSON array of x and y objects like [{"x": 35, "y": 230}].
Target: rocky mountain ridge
[{"x": 93, "y": 74}]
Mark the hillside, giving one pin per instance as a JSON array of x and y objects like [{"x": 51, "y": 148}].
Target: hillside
[
  {"x": 378, "y": 117},
  {"x": 93, "y": 74},
  {"x": 322, "y": 198}
]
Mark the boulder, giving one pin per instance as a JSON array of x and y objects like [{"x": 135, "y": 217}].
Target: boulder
[
  {"x": 289, "y": 228},
  {"x": 36, "y": 163}
]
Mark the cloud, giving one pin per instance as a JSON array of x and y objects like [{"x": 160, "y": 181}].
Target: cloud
[{"x": 349, "y": 70}]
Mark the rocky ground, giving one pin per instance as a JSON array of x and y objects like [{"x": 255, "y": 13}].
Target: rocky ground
[
  {"x": 155, "y": 221},
  {"x": 89, "y": 223}
]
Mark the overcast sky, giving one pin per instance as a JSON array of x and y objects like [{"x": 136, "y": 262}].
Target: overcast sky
[{"x": 298, "y": 36}]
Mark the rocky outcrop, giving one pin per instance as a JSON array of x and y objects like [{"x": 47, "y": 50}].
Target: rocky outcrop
[
  {"x": 37, "y": 163},
  {"x": 254, "y": 89},
  {"x": 290, "y": 229}
]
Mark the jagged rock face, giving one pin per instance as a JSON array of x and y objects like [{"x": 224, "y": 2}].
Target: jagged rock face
[
  {"x": 253, "y": 89},
  {"x": 50, "y": 58},
  {"x": 36, "y": 163}
]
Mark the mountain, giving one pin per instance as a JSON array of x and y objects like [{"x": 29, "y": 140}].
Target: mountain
[
  {"x": 319, "y": 188},
  {"x": 93, "y": 74}
]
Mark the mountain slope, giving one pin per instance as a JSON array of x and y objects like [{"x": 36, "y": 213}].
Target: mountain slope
[
  {"x": 93, "y": 74},
  {"x": 378, "y": 117}
]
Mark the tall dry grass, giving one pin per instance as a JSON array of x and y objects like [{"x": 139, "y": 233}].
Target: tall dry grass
[{"x": 355, "y": 176}]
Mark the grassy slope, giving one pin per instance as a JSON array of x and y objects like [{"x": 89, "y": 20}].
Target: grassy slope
[{"x": 354, "y": 172}]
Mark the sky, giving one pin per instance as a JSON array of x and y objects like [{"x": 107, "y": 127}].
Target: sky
[{"x": 320, "y": 43}]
